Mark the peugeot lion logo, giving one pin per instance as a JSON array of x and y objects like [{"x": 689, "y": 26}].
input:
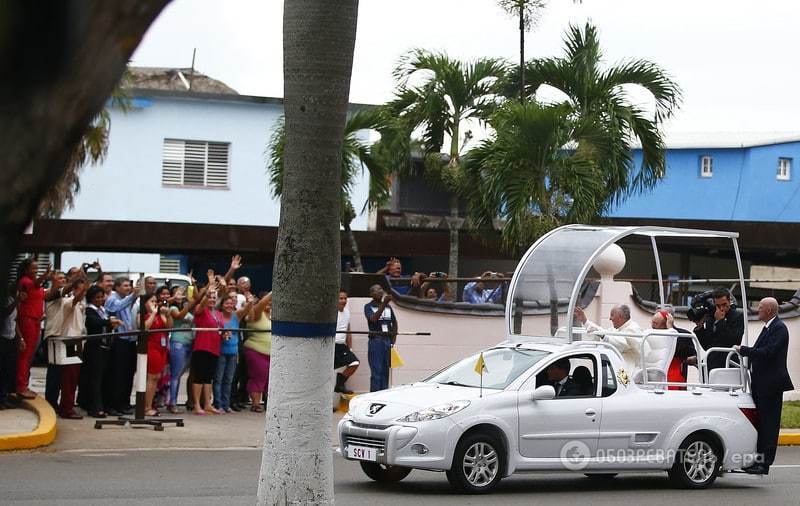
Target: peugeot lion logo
[{"x": 374, "y": 408}]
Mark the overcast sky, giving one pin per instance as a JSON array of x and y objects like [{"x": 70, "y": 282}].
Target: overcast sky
[{"x": 735, "y": 60}]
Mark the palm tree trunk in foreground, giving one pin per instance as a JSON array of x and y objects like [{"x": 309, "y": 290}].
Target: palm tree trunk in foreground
[
  {"x": 297, "y": 463},
  {"x": 58, "y": 68}
]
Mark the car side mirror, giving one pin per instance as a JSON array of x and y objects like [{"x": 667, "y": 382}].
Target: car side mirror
[{"x": 543, "y": 393}]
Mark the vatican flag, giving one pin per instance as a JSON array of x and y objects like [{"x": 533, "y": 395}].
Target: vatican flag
[
  {"x": 480, "y": 365},
  {"x": 396, "y": 361}
]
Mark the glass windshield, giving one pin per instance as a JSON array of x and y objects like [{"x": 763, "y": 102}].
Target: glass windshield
[
  {"x": 545, "y": 281},
  {"x": 502, "y": 366}
]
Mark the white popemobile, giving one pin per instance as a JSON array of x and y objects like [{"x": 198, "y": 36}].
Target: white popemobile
[{"x": 479, "y": 428}]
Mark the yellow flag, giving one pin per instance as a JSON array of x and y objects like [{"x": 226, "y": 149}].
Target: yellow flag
[
  {"x": 480, "y": 365},
  {"x": 396, "y": 361}
]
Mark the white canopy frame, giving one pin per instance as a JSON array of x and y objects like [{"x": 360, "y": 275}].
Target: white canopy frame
[{"x": 614, "y": 234}]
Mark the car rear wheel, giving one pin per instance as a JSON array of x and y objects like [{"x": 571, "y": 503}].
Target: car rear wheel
[
  {"x": 383, "y": 473},
  {"x": 697, "y": 463},
  {"x": 477, "y": 464}
]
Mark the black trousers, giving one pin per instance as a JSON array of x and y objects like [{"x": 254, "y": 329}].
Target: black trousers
[
  {"x": 123, "y": 366},
  {"x": 94, "y": 376},
  {"x": 769, "y": 425},
  {"x": 8, "y": 366}
]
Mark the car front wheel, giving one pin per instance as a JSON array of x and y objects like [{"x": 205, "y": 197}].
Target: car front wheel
[
  {"x": 477, "y": 464},
  {"x": 697, "y": 463},
  {"x": 383, "y": 473}
]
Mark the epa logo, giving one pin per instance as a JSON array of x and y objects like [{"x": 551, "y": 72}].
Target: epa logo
[{"x": 575, "y": 455}]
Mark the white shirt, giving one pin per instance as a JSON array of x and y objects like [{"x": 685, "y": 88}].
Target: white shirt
[
  {"x": 73, "y": 320},
  {"x": 766, "y": 325},
  {"x": 240, "y": 301},
  {"x": 628, "y": 347},
  {"x": 342, "y": 325}
]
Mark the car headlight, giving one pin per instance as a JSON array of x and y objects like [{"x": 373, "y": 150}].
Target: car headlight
[{"x": 435, "y": 412}]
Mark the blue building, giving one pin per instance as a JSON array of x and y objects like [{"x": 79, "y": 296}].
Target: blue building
[{"x": 724, "y": 177}]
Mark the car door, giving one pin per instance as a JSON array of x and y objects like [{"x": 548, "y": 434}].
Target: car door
[
  {"x": 563, "y": 429},
  {"x": 633, "y": 422}
]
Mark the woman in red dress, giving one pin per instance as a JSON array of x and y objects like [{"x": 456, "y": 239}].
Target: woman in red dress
[{"x": 157, "y": 317}]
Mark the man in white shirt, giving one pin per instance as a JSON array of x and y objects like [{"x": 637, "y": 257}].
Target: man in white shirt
[
  {"x": 343, "y": 356},
  {"x": 73, "y": 323},
  {"x": 620, "y": 317}
]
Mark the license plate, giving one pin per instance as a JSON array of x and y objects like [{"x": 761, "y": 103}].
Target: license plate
[{"x": 362, "y": 453}]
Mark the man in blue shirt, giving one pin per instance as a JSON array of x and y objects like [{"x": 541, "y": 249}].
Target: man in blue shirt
[
  {"x": 382, "y": 321},
  {"x": 123, "y": 349},
  {"x": 476, "y": 292}
]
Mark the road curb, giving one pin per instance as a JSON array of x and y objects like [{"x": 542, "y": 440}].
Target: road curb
[
  {"x": 43, "y": 435},
  {"x": 789, "y": 438}
]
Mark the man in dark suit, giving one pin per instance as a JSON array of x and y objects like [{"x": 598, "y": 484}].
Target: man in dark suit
[
  {"x": 769, "y": 379},
  {"x": 722, "y": 329},
  {"x": 558, "y": 375}
]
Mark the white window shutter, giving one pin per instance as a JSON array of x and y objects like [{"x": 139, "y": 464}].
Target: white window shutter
[
  {"x": 217, "y": 174},
  {"x": 172, "y": 164},
  {"x": 195, "y": 163}
]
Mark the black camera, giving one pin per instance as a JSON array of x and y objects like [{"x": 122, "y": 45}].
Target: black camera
[{"x": 702, "y": 305}]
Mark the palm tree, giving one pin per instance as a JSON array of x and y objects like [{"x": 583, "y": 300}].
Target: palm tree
[
  {"x": 570, "y": 161},
  {"x": 356, "y": 156},
  {"x": 297, "y": 462},
  {"x": 449, "y": 95},
  {"x": 527, "y": 11},
  {"x": 541, "y": 166},
  {"x": 602, "y": 94}
]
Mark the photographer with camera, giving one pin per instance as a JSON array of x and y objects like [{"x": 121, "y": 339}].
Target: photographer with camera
[
  {"x": 434, "y": 288},
  {"x": 382, "y": 324},
  {"x": 719, "y": 324},
  {"x": 476, "y": 292}
]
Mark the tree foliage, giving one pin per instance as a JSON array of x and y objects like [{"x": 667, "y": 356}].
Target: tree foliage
[
  {"x": 571, "y": 160},
  {"x": 357, "y": 156},
  {"x": 91, "y": 150}
]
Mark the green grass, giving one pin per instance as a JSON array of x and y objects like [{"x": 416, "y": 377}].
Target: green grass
[{"x": 790, "y": 416}]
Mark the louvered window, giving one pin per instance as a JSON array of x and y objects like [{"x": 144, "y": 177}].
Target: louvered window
[
  {"x": 195, "y": 163},
  {"x": 169, "y": 265}
]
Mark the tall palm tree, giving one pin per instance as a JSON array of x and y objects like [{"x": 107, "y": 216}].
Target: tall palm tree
[
  {"x": 356, "y": 156},
  {"x": 448, "y": 94},
  {"x": 541, "y": 166},
  {"x": 602, "y": 94},
  {"x": 297, "y": 463},
  {"x": 527, "y": 11}
]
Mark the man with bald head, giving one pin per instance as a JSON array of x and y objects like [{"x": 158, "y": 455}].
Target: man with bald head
[{"x": 769, "y": 379}]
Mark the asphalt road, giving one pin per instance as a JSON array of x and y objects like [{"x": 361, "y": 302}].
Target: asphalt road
[{"x": 228, "y": 476}]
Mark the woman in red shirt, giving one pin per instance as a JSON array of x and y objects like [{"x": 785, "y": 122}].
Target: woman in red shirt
[
  {"x": 30, "y": 310},
  {"x": 156, "y": 317},
  {"x": 205, "y": 350}
]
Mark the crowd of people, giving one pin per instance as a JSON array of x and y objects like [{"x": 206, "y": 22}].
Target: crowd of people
[
  {"x": 227, "y": 357},
  {"x": 436, "y": 286}
]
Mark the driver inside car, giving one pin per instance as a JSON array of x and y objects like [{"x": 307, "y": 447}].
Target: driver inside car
[{"x": 558, "y": 376}]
